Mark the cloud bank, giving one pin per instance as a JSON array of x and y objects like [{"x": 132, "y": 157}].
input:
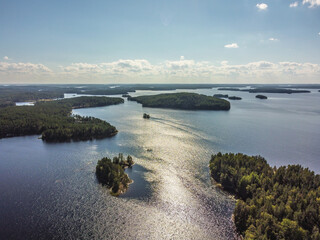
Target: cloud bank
[
  {"x": 177, "y": 71},
  {"x": 23, "y": 68}
]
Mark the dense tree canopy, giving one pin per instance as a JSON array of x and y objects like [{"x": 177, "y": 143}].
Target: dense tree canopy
[
  {"x": 192, "y": 101},
  {"x": 111, "y": 173},
  {"x": 54, "y": 120},
  {"x": 85, "y": 102},
  {"x": 281, "y": 203}
]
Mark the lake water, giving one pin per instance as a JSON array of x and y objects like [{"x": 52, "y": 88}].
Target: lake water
[
  {"x": 24, "y": 103},
  {"x": 49, "y": 191}
]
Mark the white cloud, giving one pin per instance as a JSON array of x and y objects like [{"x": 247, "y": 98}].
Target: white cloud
[
  {"x": 294, "y": 4},
  {"x": 319, "y": 33},
  {"x": 185, "y": 70},
  {"x": 311, "y": 3},
  {"x": 273, "y": 39},
  {"x": 124, "y": 67},
  {"x": 26, "y": 68},
  {"x": 262, "y": 6},
  {"x": 232, "y": 45},
  {"x": 181, "y": 70},
  {"x": 5, "y": 58},
  {"x": 181, "y": 58}
]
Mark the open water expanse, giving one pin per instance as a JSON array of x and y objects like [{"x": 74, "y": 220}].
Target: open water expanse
[{"x": 49, "y": 190}]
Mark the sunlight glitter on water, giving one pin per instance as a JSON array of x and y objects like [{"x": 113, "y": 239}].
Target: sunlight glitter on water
[{"x": 172, "y": 196}]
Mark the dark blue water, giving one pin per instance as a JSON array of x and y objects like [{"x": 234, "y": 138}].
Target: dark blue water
[{"x": 49, "y": 191}]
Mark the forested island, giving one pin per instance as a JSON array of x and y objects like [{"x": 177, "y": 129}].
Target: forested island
[
  {"x": 54, "y": 120},
  {"x": 111, "y": 173},
  {"x": 221, "y": 95},
  {"x": 261, "y": 97},
  {"x": 187, "y": 101},
  {"x": 228, "y": 89},
  {"x": 234, "y": 98},
  {"x": 272, "y": 203},
  {"x": 276, "y": 90},
  {"x": 265, "y": 89}
]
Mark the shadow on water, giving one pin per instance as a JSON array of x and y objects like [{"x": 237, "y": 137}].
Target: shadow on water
[{"x": 140, "y": 188}]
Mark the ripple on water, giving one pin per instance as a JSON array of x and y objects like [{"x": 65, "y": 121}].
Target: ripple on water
[{"x": 49, "y": 191}]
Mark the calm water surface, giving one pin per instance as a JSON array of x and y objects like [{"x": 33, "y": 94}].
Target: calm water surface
[{"x": 49, "y": 191}]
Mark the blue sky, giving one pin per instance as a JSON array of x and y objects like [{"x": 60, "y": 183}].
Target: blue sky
[{"x": 165, "y": 41}]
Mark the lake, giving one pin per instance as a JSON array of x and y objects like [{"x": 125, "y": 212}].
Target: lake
[{"x": 49, "y": 190}]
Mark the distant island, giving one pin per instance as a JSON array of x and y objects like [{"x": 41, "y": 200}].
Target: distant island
[
  {"x": 186, "y": 101},
  {"x": 276, "y": 90},
  {"x": 265, "y": 90},
  {"x": 272, "y": 203},
  {"x": 228, "y": 89},
  {"x": 234, "y": 98},
  {"x": 261, "y": 97},
  {"x": 146, "y": 116},
  {"x": 10, "y": 94},
  {"x": 111, "y": 173},
  {"x": 54, "y": 121},
  {"x": 221, "y": 95}
]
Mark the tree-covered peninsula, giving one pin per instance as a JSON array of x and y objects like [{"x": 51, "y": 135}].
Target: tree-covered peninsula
[
  {"x": 86, "y": 102},
  {"x": 272, "y": 203},
  {"x": 111, "y": 173},
  {"x": 54, "y": 120},
  {"x": 187, "y": 101}
]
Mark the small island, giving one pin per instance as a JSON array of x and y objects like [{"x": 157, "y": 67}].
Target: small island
[
  {"x": 112, "y": 173},
  {"x": 261, "y": 97},
  {"x": 234, "y": 98},
  {"x": 272, "y": 203},
  {"x": 126, "y": 95},
  {"x": 185, "y": 101},
  {"x": 221, "y": 95},
  {"x": 146, "y": 116}
]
